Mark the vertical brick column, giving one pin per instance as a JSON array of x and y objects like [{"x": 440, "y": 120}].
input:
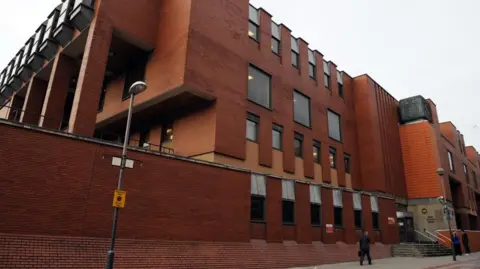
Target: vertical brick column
[
  {"x": 265, "y": 141},
  {"x": 303, "y": 226},
  {"x": 274, "y": 210},
  {"x": 342, "y": 181},
  {"x": 325, "y": 160},
  {"x": 308, "y": 162},
  {"x": 303, "y": 51},
  {"x": 465, "y": 221},
  {"x": 367, "y": 216},
  {"x": 62, "y": 72},
  {"x": 90, "y": 79},
  {"x": 389, "y": 232},
  {"x": 349, "y": 233},
  {"x": 327, "y": 215},
  {"x": 32, "y": 107},
  {"x": 265, "y": 32},
  {"x": 288, "y": 149}
]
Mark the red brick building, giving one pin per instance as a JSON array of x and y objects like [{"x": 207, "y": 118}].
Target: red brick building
[{"x": 245, "y": 136}]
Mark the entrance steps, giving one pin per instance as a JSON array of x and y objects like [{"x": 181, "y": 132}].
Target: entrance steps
[{"x": 421, "y": 249}]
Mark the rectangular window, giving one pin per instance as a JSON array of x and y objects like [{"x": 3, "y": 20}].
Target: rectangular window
[
  {"x": 334, "y": 126},
  {"x": 298, "y": 145},
  {"x": 450, "y": 162},
  {"x": 465, "y": 169},
  {"x": 326, "y": 74},
  {"x": 474, "y": 177},
  {"x": 315, "y": 205},
  {"x": 253, "y": 23},
  {"x": 301, "y": 108},
  {"x": 259, "y": 86},
  {"x": 340, "y": 83},
  {"x": 275, "y": 46},
  {"x": 295, "y": 59},
  {"x": 312, "y": 71},
  {"x": 347, "y": 163},
  {"x": 103, "y": 92},
  {"x": 338, "y": 216},
  {"x": 375, "y": 215},
  {"x": 253, "y": 31},
  {"x": 252, "y": 127},
  {"x": 258, "y": 193},
  {"x": 316, "y": 151},
  {"x": 333, "y": 157},
  {"x": 288, "y": 201},
  {"x": 135, "y": 71},
  {"x": 167, "y": 133},
  {"x": 375, "y": 221},
  {"x": 277, "y": 137},
  {"x": 340, "y": 90},
  {"x": 358, "y": 219}
]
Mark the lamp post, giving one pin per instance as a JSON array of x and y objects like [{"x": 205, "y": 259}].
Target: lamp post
[
  {"x": 443, "y": 200},
  {"x": 135, "y": 89}
]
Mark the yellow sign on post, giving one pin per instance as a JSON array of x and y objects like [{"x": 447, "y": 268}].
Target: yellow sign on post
[{"x": 119, "y": 198}]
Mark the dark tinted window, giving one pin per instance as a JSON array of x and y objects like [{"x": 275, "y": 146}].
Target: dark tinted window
[
  {"x": 312, "y": 71},
  {"x": 275, "y": 45},
  {"x": 257, "y": 208},
  {"x": 326, "y": 80},
  {"x": 316, "y": 153},
  {"x": 358, "y": 219},
  {"x": 259, "y": 86},
  {"x": 375, "y": 221},
  {"x": 347, "y": 163},
  {"x": 315, "y": 214},
  {"x": 333, "y": 157},
  {"x": 338, "y": 218},
  {"x": 135, "y": 72},
  {"x": 288, "y": 209},
  {"x": 340, "y": 90},
  {"x": 295, "y": 59},
  {"x": 298, "y": 145}
]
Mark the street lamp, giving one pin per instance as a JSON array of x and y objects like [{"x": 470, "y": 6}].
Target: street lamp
[
  {"x": 443, "y": 200},
  {"x": 135, "y": 89}
]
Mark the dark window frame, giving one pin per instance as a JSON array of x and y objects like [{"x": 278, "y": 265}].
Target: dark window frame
[
  {"x": 256, "y": 33},
  {"x": 286, "y": 206},
  {"x": 256, "y": 120},
  {"x": 376, "y": 221},
  {"x": 278, "y": 129},
  {"x": 278, "y": 46},
  {"x": 339, "y": 125},
  {"x": 295, "y": 91},
  {"x": 298, "y": 137},
  {"x": 261, "y": 199},
  {"x": 358, "y": 219},
  {"x": 315, "y": 219},
  {"x": 317, "y": 147},
  {"x": 327, "y": 81},
  {"x": 139, "y": 64},
  {"x": 347, "y": 161},
  {"x": 340, "y": 90},
  {"x": 312, "y": 71},
  {"x": 269, "y": 106},
  {"x": 451, "y": 162},
  {"x": 338, "y": 210},
  {"x": 332, "y": 151},
  {"x": 295, "y": 55},
  {"x": 465, "y": 170}
]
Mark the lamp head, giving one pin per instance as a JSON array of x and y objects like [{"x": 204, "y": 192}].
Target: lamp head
[
  {"x": 137, "y": 87},
  {"x": 440, "y": 171}
]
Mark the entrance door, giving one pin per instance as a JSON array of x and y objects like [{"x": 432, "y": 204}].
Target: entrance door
[{"x": 406, "y": 229}]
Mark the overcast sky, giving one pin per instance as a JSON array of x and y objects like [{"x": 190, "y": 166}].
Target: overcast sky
[{"x": 410, "y": 47}]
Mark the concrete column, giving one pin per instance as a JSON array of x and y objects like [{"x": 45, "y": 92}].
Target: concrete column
[
  {"x": 62, "y": 72},
  {"x": 32, "y": 107},
  {"x": 90, "y": 79}
]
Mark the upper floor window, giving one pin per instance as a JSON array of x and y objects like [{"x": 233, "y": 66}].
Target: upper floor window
[
  {"x": 347, "y": 163},
  {"x": 450, "y": 162},
  {"x": 340, "y": 83},
  {"x": 474, "y": 177},
  {"x": 298, "y": 145},
  {"x": 326, "y": 75},
  {"x": 253, "y": 24},
  {"x": 301, "y": 108},
  {"x": 312, "y": 67},
  {"x": 295, "y": 53},
  {"x": 167, "y": 133},
  {"x": 259, "y": 86},
  {"x": 316, "y": 151},
  {"x": 135, "y": 72},
  {"x": 333, "y": 157},
  {"x": 465, "y": 170},
  {"x": 277, "y": 137},
  {"x": 276, "y": 37},
  {"x": 334, "y": 126},
  {"x": 252, "y": 127}
]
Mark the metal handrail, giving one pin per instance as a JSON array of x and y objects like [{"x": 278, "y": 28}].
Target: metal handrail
[
  {"x": 439, "y": 239},
  {"x": 443, "y": 236},
  {"x": 426, "y": 236}
]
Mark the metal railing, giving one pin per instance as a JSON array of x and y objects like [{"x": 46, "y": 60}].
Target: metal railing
[
  {"x": 443, "y": 236},
  {"x": 434, "y": 236},
  {"x": 15, "y": 115},
  {"x": 424, "y": 236}
]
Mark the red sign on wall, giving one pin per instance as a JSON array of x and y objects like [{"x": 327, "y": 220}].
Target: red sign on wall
[
  {"x": 329, "y": 228},
  {"x": 391, "y": 221}
]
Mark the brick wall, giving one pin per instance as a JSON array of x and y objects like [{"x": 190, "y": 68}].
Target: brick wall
[
  {"x": 36, "y": 252},
  {"x": 473, "y": 239}
]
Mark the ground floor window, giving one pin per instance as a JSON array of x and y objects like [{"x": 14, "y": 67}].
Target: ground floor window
[{"x": 337, "y": 215}]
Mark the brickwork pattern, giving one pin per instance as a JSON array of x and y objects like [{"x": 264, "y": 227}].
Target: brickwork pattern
[{"x": 38, "y": 252}]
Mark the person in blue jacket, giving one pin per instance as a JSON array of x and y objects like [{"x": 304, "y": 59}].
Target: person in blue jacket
[{"x": 456, "y": 244}]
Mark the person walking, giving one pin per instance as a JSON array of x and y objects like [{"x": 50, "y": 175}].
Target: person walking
[
  {"x": 465, "y": 242},
  {"x": 456, "y": 244},
  {"x": 364, "y": 245}
]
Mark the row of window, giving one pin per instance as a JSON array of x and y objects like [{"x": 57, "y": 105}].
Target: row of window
[
  {"x": 254, "y": 33},
  {"x": 260, "y": 92},
  {"x": 277, "y": 135},
  {"x": 258, "y": 198},
  {"x": 465, "y": 170}
]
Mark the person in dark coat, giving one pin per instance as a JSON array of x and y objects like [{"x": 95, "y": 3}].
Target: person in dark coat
[
  {"x": 364, "y": 244},
  {"x": 465, "y": 242},
  {"x": 456, "y": 244}
]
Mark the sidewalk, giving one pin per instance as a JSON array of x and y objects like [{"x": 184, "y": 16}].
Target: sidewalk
[{"x": 463, "y": 262}]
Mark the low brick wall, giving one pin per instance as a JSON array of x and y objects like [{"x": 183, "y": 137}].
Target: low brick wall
[
  {"x": 35, "y": 252},
  {"x": 473, "y": 236}
]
